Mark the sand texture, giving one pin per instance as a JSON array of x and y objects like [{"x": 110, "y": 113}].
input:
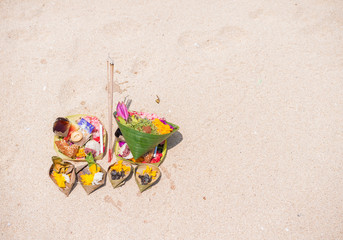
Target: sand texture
[{"x": 255, "y": 86}]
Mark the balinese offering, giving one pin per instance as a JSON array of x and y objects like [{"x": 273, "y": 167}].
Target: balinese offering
[
  {"x": 78, "y": 135},
  {"x": 119, "y": 173},
  {"x": 92, "y": 176},
  {"x": 63, "y": 175},
  {"x": 155, "y": 156},
  {"x": 146, "y": 176},
  {"x": 142, "y": 131}
]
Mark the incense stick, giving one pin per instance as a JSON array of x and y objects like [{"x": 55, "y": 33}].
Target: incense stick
[
  {"x": 110, "y": 72},
  {"x": 101, "y": 141}
]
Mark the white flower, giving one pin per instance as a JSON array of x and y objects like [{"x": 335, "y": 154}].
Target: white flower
[
  {"x": 97, "y": 178},
  {"x": 66, "y": 177}
]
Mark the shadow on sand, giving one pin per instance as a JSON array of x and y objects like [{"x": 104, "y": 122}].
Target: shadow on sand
[{"x": 174, "y": 140}]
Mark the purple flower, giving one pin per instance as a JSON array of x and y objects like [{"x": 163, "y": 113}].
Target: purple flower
[
  {"x": 165, "y": 123},
  {"x": 122, "y": 111}
]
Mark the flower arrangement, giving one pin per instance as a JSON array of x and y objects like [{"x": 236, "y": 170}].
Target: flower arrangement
[
  {"x": 61, "y": 178},
  {"x": 91, "y": 176},
  {"x": 119, "y": 173},
  {"x": 143, "y": 122},
  {"x": 146, "y": 176},
  {"x": 119, "y": 170},
  {"x": 62, "y": 174},
  {"x": 95, "y": 175},
  {"x": 142, "y": 131}
]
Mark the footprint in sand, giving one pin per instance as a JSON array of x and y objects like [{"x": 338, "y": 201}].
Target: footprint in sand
[
  {"x": 168, "y": 176},
  {"x": 108, "y": 199}
]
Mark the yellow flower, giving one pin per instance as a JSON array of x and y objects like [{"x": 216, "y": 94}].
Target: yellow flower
[
  {"x": 81, "y": 153},
  {"x": 126, "y": 168},
  {"x": 148, "y": 170},
  {"x": 94, "y": 169},
  {"x": 61, "y": 182},
  {"x": 119, "y": 166},
  {"x": 87, "y": 179},
  {"x": 161, "y": 127}
]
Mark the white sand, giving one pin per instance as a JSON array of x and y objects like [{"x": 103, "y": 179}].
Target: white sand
[{"x": 256, "y": 87}]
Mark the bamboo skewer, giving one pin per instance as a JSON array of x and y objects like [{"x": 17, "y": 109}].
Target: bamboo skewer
[{"x": 110, "y": 72}]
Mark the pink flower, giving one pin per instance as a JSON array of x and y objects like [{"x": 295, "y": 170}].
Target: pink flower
[{"x": 122, "y": 110}]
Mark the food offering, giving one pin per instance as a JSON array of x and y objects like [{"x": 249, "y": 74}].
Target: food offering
[
  {"x": 92, "y": 176},
  {"x": 142, "y": 131},
  {"x": 119, "y": 173},
  {"x": 63, "y": 175},
  {"x": 154, "y": 157},
  {"x": 146, "y": 176},
  {"x": 78, "y": 135}
]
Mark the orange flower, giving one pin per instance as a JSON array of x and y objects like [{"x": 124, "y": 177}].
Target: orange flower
[{"x": 161, "y": 127}]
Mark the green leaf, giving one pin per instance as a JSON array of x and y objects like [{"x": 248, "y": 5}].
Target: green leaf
[
  {"x": 90, "y": 159},
  {"x": 121, "y": 120}
]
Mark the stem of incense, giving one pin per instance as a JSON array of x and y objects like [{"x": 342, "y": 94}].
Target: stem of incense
[
  {"x": 101, "y": 141},
  {"x": 110, "y": 72}
]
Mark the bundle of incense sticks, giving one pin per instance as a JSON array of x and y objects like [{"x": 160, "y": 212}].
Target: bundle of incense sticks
[{"x": 110, "y": 72}]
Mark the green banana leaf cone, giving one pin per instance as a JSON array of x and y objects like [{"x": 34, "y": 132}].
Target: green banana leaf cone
[{"x": 140, "y": 142}]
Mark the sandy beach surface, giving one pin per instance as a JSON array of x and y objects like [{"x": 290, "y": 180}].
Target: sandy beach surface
[{"x": 255, "y": 86}]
